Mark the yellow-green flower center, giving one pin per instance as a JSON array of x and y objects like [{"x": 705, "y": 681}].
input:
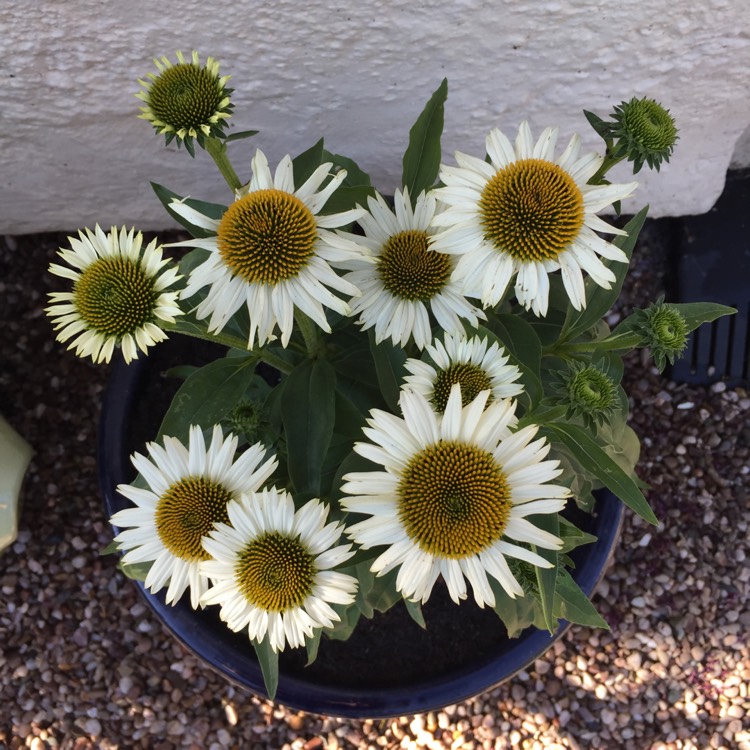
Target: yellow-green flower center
[
  {"x": 454, "y": 499},
  {"x": 267, "y": 236},
  {"x": 532, "y": 209},
  {"x": 591, "y": 390},
  {"x": 472, "y": 379},
  {"x": 115, "y": 296},
  {"x": 187, "y": 511},
  {"x": 275, "y": 572},
  {"x": 185, "y": 96},
  {"x": 410, "y": 270}
]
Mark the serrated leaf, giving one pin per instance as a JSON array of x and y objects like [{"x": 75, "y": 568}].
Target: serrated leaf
[
  {"x": 421, "y": 162},
  {"x": 207, "y": 395},
  {"x": 572, "y": 536},
  {"x": 308, "y": 415},
  {"x": 517, "y": 614},
  {"x": 592, "y": 457},
  {"x": 212, "y": 210},
  {"x": 574, "y": 605}
]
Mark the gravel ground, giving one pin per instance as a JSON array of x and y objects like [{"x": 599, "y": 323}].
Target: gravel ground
[{"x": 83, "y": 665}]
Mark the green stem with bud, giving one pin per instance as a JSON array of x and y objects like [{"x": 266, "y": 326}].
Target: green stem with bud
[
  {"x": 606, "y": 165},
  {"x": 217, "y": 149}
]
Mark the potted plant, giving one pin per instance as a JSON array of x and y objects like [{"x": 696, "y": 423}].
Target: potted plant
[{"x": 405, "y": 403}]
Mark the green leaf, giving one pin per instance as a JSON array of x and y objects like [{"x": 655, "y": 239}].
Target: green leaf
[
  {"x": 602, "y": 127},
  {"x": 520, "y": 339},
  {"x": 240, "y": 135},
  {"x": 207, "y": 395},
  {"x": 312, "y": 645},
  {"x": 574, "y": 605},
  {"x": 572, "y": 536},
  {"x": 415, "y": 612},
  {"x": 269, "y": 665},
  {"x": 389, "y": 366},
  {"x": 307, "y": 162},
  {"x": 517, "y": 614},
  {"x": 135, "y": 571},
  {"x": 594, "y": 459},
  {"x": 697, "y": 313},
  {"x": 546, "y": 577},
  {"x": 422, "y": 158},
  {"x": 600, "y": 300},
  {"x": 212, "y": 210},
  {"x": 355, "y": 177},
  {"x": 308, "y": 414},
  {"x": 349, "y": 617}
]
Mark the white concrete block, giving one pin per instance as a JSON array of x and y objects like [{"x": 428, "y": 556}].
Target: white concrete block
[{"x": 73, "y": 153}]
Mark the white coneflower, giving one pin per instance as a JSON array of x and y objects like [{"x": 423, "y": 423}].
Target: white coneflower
[
  {"x": 272, "y": 251},
  {"x": 188, "y": 491},
  {"x": 271, "y": 568},
  {"x": 120, "y": 294},
  {"x": 408, "y": 279},
  {"x": 470, "y": 362},
  {"x": 525, "y": 215},
  {"x": 453, "y": 496}
]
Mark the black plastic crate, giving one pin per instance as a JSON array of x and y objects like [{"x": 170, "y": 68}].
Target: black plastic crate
[{"x": 713, "y": 265}]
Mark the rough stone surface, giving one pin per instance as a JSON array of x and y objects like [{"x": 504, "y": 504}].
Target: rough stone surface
[{"x": 73, "y": 154}]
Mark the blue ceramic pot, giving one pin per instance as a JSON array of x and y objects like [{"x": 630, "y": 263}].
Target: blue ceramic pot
[{"x": 417, "y": 670}]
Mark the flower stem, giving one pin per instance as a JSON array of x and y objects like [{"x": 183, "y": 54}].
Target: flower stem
[
  {"x": 227, "y": 339},
  {"x": 217, "y": 149},
  {"x": 607, "y": 164}
]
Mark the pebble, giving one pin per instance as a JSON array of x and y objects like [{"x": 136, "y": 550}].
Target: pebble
[{"x": 83, "y": 658}]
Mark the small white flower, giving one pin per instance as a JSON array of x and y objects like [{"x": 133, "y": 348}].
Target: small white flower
[
  {"x": 120, "y": 294},
  {"x": 272, "y": 252},
  {"x": 408, "y": 278},
  {"x": 471, "y": 363},
  {"x": 525, "y": 215},
  {"x": 272, "y": 568},
  {"x": 189, "y": 488},
  {"x": 453, "y": 496}
]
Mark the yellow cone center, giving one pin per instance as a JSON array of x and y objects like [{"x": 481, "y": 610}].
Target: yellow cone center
[
  {"x": 410, "y": 270},
  {"x": 187, "y": 511},
  {"x": 532, "y": 209},
  {"x": 267, "y": 236},
  {"x": 454, "y": 499},
  {"x": 275, "y": 572}
]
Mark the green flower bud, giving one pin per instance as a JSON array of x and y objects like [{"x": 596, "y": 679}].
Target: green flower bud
[
  {"x": 246, "y": 419},
  {"x": 588, "y": 393},
  {"x": 644, "y": 132},
  {"x": 665, "y": 332},
  {"x": 186, "y": 101}
]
